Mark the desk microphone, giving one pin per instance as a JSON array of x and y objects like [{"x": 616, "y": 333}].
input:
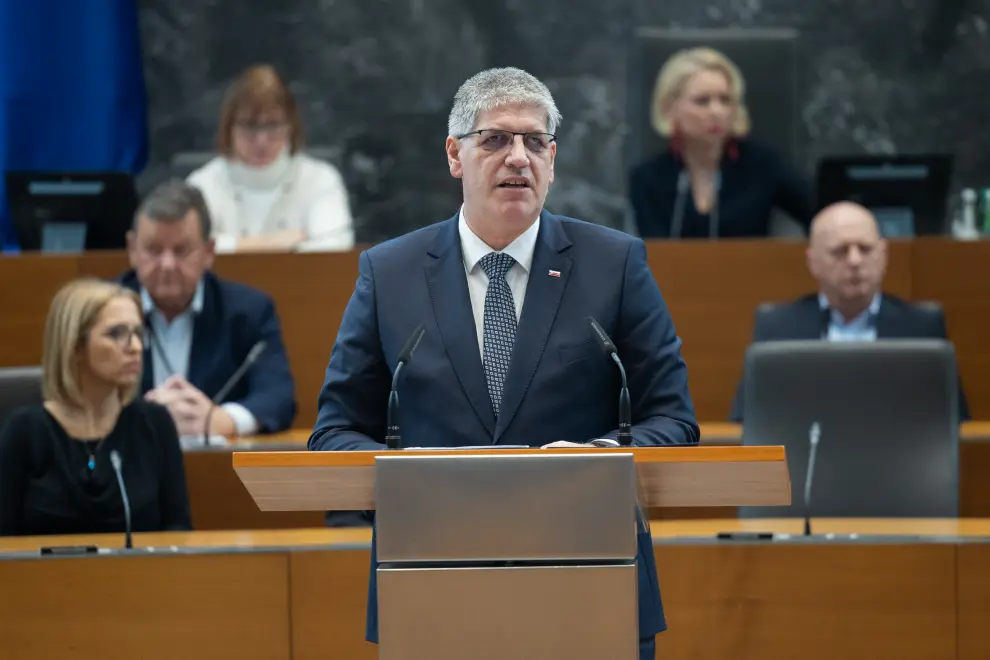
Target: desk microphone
[
  {"x": 677, "y": 220},
  {"x": 625, "y": 408},
  {"x": 683, "y": 190},
  {"x": 392, "y": 435},
  {"x": 813, "y": 434},
  {"x": 713, "y": 217},
  {"x": 118, "y": 470},
  {"x": 235, "y": 378}
]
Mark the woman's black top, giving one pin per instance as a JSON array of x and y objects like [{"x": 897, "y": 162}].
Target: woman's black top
[
  {"x": 47, "y": 486},
  {"x": 753, "y": 182}
]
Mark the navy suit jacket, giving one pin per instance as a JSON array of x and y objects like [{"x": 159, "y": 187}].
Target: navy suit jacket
[
  {"x": 805, "y": 319},
  {"x": 234, "y": 318},
  {"x": 560, "y": 386}
]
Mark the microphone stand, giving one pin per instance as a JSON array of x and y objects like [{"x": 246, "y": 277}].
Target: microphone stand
[{"x": 813, "y": 436}]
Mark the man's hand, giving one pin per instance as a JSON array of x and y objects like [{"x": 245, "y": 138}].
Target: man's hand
[{"x": 189, "y": 408}]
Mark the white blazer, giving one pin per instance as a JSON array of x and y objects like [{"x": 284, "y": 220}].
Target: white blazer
[{"x": 310, "y": 196}]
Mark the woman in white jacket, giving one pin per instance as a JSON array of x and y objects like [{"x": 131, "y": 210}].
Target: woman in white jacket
[{"x": 262, "y": 192}]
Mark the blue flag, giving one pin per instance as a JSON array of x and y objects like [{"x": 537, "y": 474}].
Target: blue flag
[{"x": 72, "y": 93}]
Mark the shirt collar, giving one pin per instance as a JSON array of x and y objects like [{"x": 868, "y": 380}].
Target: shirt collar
[
  {"x": 473, "y": 248},
  {"x": 873, "y": 309},
  {"x": 196, "y": 306}
]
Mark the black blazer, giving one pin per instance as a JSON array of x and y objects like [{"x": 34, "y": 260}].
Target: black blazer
[
  {"x": 234, "y": 318},
  {"x": 804, "y": 319},
  {"x": 753, "y": 183}
]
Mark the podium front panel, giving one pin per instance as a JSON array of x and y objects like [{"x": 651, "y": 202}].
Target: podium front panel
[
  {"x": 470, "y": 508},
  {"x": 544, "y": 612}
]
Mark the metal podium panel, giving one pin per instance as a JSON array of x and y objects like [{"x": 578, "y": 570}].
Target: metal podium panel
[
  {"x": 473, "y": 508},
  {"x": 522, "y": 613}
]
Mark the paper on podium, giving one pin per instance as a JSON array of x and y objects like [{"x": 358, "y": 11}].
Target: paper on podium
[{"x": 475, "y": 447}]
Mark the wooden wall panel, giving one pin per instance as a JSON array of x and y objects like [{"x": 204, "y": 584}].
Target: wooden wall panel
[
  {"x": 153, "y": 608},
  {"x": 974, "y": 601},
  {"x": 28, "y": 285},
  {"x": 711, "y": 288},
  {"x": 815, "y": 601}
]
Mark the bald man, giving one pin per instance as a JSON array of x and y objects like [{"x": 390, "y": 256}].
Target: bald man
[{"x": 848, "y": 258}]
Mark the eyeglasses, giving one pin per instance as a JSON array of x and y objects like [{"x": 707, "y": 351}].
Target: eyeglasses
[
  {"x": 253, "y": 129},
  {"x": 494, "y": 139},
  {"x": 122, "y": 334}
]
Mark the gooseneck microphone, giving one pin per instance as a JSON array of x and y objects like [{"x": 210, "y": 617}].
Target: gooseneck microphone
[
  {"x": 235, "y": 378},
  {"x": 813, "y": 435},
  {"x": 713, "y": 215},
  {"x": 117, "y": 464},
  {"x": 392, "y": 434},
  {"x": 625, "y": 408},
  {"x": 683, "y": 192},
  {"x": 677, "y": 220}
]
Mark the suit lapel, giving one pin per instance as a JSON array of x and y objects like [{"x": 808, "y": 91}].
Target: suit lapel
[
  {"x": 813, "y": 321},
  {"x": 887, "y": 325},
  {"x": 543, "y": 295},
  {"x": 447, "y": 283}
]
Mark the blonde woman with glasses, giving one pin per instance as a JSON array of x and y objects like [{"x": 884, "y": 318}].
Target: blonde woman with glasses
[
  {"x": 55, "y": 471},
  {"x": 264, "y": 193}
]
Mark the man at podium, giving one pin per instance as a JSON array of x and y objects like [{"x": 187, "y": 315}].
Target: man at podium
[{"x": 504, "y": 291}]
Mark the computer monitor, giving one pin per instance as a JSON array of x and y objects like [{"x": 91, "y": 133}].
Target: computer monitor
[
  {"x": 71, "y": 211},
  {"x": 908, "y": 195}
]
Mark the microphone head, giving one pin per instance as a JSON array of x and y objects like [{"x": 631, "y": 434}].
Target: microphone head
[
  {"x": 115, "y": 459},
  {"x": 407, "y": 351},
  {"x": 256, "y": 351},
  {"x": 814, "y": 434},
  {"x": 603, "y": 339}
]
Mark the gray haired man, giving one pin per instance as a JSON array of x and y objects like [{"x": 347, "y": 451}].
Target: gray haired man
[{"x": 504, "y": 290}]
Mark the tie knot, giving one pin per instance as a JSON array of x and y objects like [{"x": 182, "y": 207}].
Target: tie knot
[{"x": 496, "y": 264}]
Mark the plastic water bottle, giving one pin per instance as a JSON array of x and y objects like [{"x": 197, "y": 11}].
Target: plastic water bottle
[{"x": 964, "y": 228}]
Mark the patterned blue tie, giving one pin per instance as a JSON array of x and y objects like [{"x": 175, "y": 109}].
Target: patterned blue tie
[{"x": 500, "y": 324}]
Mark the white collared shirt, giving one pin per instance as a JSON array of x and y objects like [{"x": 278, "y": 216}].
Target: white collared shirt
[
  {"x": 861, "y": 328},
  {"x": 473, "y": 249},
  {"x": 170, "y": 342},
  {"x": 171, "y": 346}
]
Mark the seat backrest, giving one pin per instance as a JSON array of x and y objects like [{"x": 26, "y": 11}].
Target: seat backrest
[
  {"x": 19, "y": 386},
  {"x": 888, "y": 415},
  {"x": 767, "y": 59}
]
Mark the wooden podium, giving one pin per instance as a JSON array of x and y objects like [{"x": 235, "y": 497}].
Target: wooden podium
[{"x": 511, "y": 553}]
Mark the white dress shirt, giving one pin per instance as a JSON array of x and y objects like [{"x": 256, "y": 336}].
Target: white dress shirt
[
  {"x": 171, "y": 344},
  {"x": 474, "y": 249},
  {"x": 861, "y": 328}
]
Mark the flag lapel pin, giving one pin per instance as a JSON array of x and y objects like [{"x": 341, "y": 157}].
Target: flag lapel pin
[{"x": 554, "y": 273}]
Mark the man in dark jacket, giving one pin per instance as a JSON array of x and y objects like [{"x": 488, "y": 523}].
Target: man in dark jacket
[
  {"x": 201, "y": 328},
  {"x": 848, "y": 258}
]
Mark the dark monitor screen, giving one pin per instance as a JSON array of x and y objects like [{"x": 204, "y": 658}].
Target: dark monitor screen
[
  {"x": 71, "y": 211},
  {"x": 908, "y": 195}
]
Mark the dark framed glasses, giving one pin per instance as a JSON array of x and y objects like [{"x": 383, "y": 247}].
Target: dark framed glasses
[
  {"x": 495, "y": 139},
  {"x": 122, "y": 335}
]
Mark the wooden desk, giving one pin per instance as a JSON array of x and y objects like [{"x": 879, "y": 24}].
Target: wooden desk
[
  {"x": 219, "y": 500},
  {"x": 301, "y": 594},
  {"x": 711, "y": 288}
]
